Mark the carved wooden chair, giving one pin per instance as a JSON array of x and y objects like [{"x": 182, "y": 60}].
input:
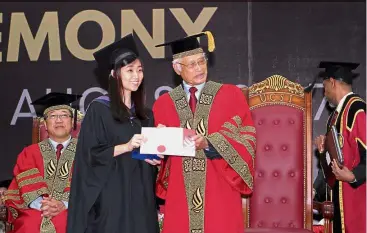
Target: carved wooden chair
[
  {"x": 39, "y": 133},
  {"x": 282, "y": 195}
]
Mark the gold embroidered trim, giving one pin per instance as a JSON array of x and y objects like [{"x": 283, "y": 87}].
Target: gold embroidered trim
[
  {"x": 28, "y": 197},
  {"x": 236, "y": 135},
  {"x": 361, "y": 142},
  {"x": 11, "y": 191},
  {"x": 15, "y": 198},
  {"x": 47, "y": 226},
  {"x": 13, "y": 212},
  {"x": 195, "y": 168},
  {"x": 30, "y": 181},
  {"x": 341, "y": 206},
  {"x": 56, "y": 183},
  {"x": 351, "y": 101},
  {"x": 232, "y": 157},
  {"x": 29, "y": 172},
  {"x": 188, "y": 53},
  {"x": 47, "y": 110}
]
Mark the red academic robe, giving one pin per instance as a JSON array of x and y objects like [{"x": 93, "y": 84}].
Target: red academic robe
[
  {"x": 39, "y": 173},
  {"x": 204, "y": 195},
  {"x": 350, "y": 198}
]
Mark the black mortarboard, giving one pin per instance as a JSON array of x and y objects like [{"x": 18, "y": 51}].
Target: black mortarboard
[
  {"x": 189, "y": 45},
  {"x": 111, "y": 56},
  {"x": 56, "y": 100},
  {"x": 341, "y": 71}
]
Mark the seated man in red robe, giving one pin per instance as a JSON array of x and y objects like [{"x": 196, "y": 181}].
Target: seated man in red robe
[
  {"x": 37, "y": 198},
  {"x": 203, "y": 193},
  {"x": 349, "y": 117}
]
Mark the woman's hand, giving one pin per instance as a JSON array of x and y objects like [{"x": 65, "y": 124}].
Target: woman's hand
[
  {"x": 154, "y": 161},
  {"x": 135, "y": 142}
]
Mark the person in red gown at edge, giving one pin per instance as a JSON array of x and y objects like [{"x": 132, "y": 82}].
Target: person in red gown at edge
[
  {"x": 203, "y": 193},
  {"x": 349, "y": 118},
  {"x": 37, "y": 198}
]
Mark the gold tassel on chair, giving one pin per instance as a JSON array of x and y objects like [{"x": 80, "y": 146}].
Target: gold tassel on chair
[{"x": 211, "y": 43}]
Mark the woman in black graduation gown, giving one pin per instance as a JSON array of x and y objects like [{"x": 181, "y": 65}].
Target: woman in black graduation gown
[{"x": 111, "y": 192}]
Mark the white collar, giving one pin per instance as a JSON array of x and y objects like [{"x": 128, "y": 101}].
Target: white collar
[
  {"x": 341, "y": 102},
  {"x": 187, "y": 87},
  {"x": 54, "y": 144}
]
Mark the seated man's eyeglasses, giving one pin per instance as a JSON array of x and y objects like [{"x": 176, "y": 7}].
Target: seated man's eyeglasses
[
  {"x": 61, "y": 116},
  {"x": 200, "y": 62}
]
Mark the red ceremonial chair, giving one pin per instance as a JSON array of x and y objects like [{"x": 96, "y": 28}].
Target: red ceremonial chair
[
  {"x": 282, "y": 195},
  {"x": 39, "y": 133}
]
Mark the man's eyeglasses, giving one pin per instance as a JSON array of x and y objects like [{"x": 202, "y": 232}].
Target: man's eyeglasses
[
  {"x": 200, "y": 62},
  {"x": 54, "y": 116}
]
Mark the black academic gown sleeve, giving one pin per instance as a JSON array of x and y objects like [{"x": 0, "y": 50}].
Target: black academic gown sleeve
[
  {"x": 92, "y": 163},
  {"x": 320, "y": 187}
]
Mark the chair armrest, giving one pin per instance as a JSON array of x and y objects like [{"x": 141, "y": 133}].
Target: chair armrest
[{"x": 326, "y": 208}]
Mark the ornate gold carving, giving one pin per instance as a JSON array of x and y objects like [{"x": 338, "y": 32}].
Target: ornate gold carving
[{"x": 276, "y": 83}]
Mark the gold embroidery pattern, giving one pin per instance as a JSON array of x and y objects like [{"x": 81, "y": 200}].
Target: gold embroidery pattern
[
  {"x": 232, "y": 157},
  {"x": 65, "y": 196},
  {"x": 195, "y": 168},
  {"x": 15, "y": 198},
  {"x": 31, "y": 196},
  {"x": 201, "y": 129},
  {"x": 11, "y": 191},
  {"x": 51, "y": 169},
  {"x": 198, "y": 164},
  {"x": 57, "y": 183},
  {"x": 29, "y": 181},
  {"x": 64, "y": 171},
  {"x": 188, "y": 53},
  {"x": 197, "y": 201},
  {"x": 166, "y": 174},
  {"x": 29, "y": 172},
  {"x": 13, "y": 212},
  {"x": 21, "y": 206},
  {"x": 206, "y": 99}
]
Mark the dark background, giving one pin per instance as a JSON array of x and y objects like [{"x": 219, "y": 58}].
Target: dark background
[{"x": 254, "y": 40}]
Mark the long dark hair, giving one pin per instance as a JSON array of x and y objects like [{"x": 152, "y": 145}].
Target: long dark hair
[{"x": 119, "y": 110}]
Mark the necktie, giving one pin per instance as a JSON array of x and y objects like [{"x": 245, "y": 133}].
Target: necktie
[
  {"x": 333, "y": 119},
  {"x": 58, "y": 150},
  {"x": 193, "y": 100}
]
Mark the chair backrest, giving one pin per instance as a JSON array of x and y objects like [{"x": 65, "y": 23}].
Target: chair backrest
[
  {"x": 282, "y": 115},
  {"x": 39, "y": 132}
]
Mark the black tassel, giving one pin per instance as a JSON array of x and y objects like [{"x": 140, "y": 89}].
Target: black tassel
[{"x": 75, "y": 118}]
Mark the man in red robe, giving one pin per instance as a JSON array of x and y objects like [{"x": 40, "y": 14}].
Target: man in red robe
[
  {"x": 349, "y": 118},
  {"x": 203, "y": 193},
  {"x": 37, "y": 198}
]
